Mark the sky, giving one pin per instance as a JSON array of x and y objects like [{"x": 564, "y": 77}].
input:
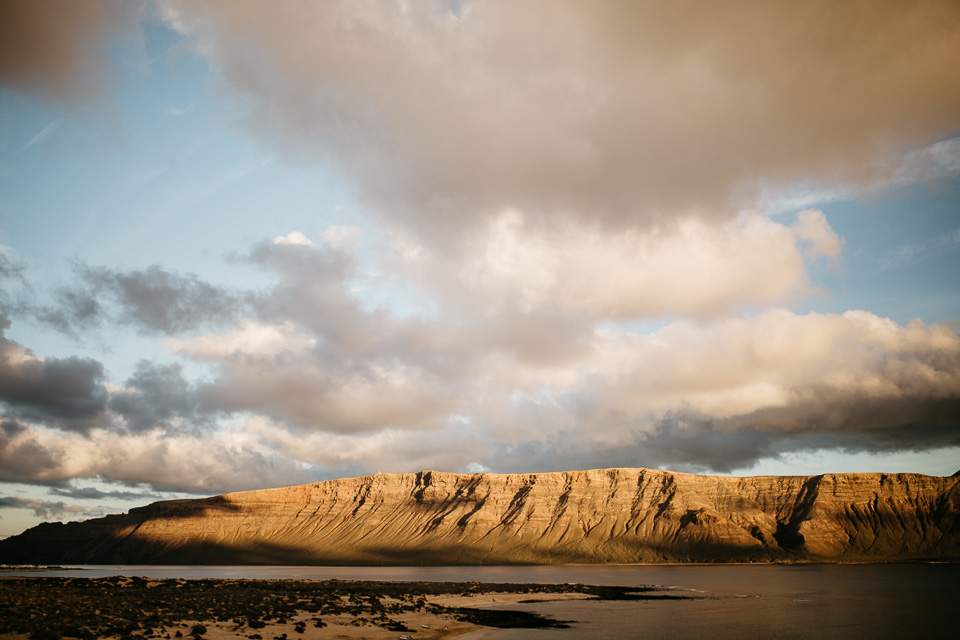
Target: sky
[{"x": 248, "y": 245}]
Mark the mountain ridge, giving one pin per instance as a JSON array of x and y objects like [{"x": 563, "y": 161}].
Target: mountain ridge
[{"x": 596, "y": 516}]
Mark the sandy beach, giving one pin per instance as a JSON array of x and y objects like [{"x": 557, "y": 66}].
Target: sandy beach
[
  {"x": 422, "y": 626},
  {"x": 138, "y": 608}
]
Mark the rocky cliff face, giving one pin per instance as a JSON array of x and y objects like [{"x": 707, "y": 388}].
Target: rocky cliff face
[{"x": 613, "y": 515}]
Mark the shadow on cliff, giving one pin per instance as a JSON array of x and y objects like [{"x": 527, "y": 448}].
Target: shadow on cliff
[
  {"x": 107, "y": 540},
  {"x": 187, "y": 508}
]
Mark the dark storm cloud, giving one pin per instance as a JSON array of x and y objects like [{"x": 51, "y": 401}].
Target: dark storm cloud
[
  {"x": 155, "y": 433},
  {"x": 864, "y": 425},
  {"x": 11, "y": 427},
  {"x": 161, "y": 301},
  {"x": 23, "y": 459},
  {"x": 158, "y": 396},
  {"x": 69, "y": 393},
  {"x": 92, "y": 493},
  {"x": 47, "y": 508},
  {"x": 54, "y": 49},
  {"x": 64, "y": 392},
  {"x": 74, "y": 311},
  {"x": 311, "y": 288},
  {"x": 701, "y": 444},
  {"x": 153, "y": 300}
]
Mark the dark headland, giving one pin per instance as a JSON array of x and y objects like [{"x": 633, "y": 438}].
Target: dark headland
[{"x": 600, "y": 516}]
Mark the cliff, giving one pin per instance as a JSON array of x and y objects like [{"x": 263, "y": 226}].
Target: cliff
[{"x": 603, "y": 516}]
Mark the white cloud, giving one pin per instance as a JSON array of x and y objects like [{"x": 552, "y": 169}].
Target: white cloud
[
  {"x": 812, "y": 227},
  {"x": 294, "y": 238},
  {"x": 43, "y": 135},
  {"x": 312, "y": 391},
  {"x": 912, "y": 253},
  {"x": 737, "y": 366},
  {"x": 48, "y": 509},
  {"x": 928, "y": 164},
  {"x": 250, "y": 338},
  {"x": 178, "y": 111},
  {"x": 341, "y": 236},
  {"x": 691, "y": 268},
  {"x": 226, "y": 460}
]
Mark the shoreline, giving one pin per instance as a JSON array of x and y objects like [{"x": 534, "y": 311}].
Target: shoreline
[
  {"x": 7, "y": 568},
  {"x": 50, "y": 608}
]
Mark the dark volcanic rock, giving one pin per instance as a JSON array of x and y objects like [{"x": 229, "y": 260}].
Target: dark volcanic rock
[{"x": 613, "y": 515}]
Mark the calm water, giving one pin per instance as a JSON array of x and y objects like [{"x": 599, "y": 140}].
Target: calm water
[{"x": 736, "y": 601}]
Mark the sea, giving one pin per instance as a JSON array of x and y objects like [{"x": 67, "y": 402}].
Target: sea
[{"x": 816, "y": 601}]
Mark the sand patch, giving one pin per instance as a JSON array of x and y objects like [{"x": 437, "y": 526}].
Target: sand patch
[
  {"x": 481, "y": 600},
  {"x": 175, "y": 609},
  {"x": 422, "y": 626}
]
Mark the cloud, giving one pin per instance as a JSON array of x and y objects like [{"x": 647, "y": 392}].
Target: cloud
[
  {"x": 11, "y": 427},
  {"x": 715, "y": 395},
  {"x": 10, "y": 268},
  {"x": 295, "y": 238},
  {"x": 64, "y": 392},
  {"x": 773, "y": 382},
  {"x": 691, "y": 268},
  {"x": 92, "y": 493},
  {"x": 43, "y": 135},
  {"x": 312, "y": 290},
  {"x": 178, "y": 111},
  {"x": 294, "y": 377},
  {"x": 54, "y": 50},
  {"x": 393, "y": 450},
  {"x": 725, "y": 394},
  {"x": 153, "y": 300},
  {"x": 227, "y": 460},
  {"x": 73, "y": 394},
  {"x": 341, "y": 236},
  {"x": 157, "y": 396},
  {"x": 317, "y": 358},
  {"x": 912, "y": 253},
  {"x": 11, "y": 278},
  {"x": 47, "y": 509},
  {"x": 813, "y": 229},
  {"x": 700, "y": 443},
  {"x": 737, "y": 366},
  {"x": 552, "y": 177},
  {"x": 307, "y": 390},
  {"x": 932, "y": 164},
  {"x": 526, "y": 363},
  {"x": 310, "y": 391},
  {"x": 618, "y": 113},
  {"x": 248, "y": 339}
]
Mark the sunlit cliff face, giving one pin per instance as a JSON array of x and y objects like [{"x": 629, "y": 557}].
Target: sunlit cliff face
[{"x": 614, "y": 515}]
